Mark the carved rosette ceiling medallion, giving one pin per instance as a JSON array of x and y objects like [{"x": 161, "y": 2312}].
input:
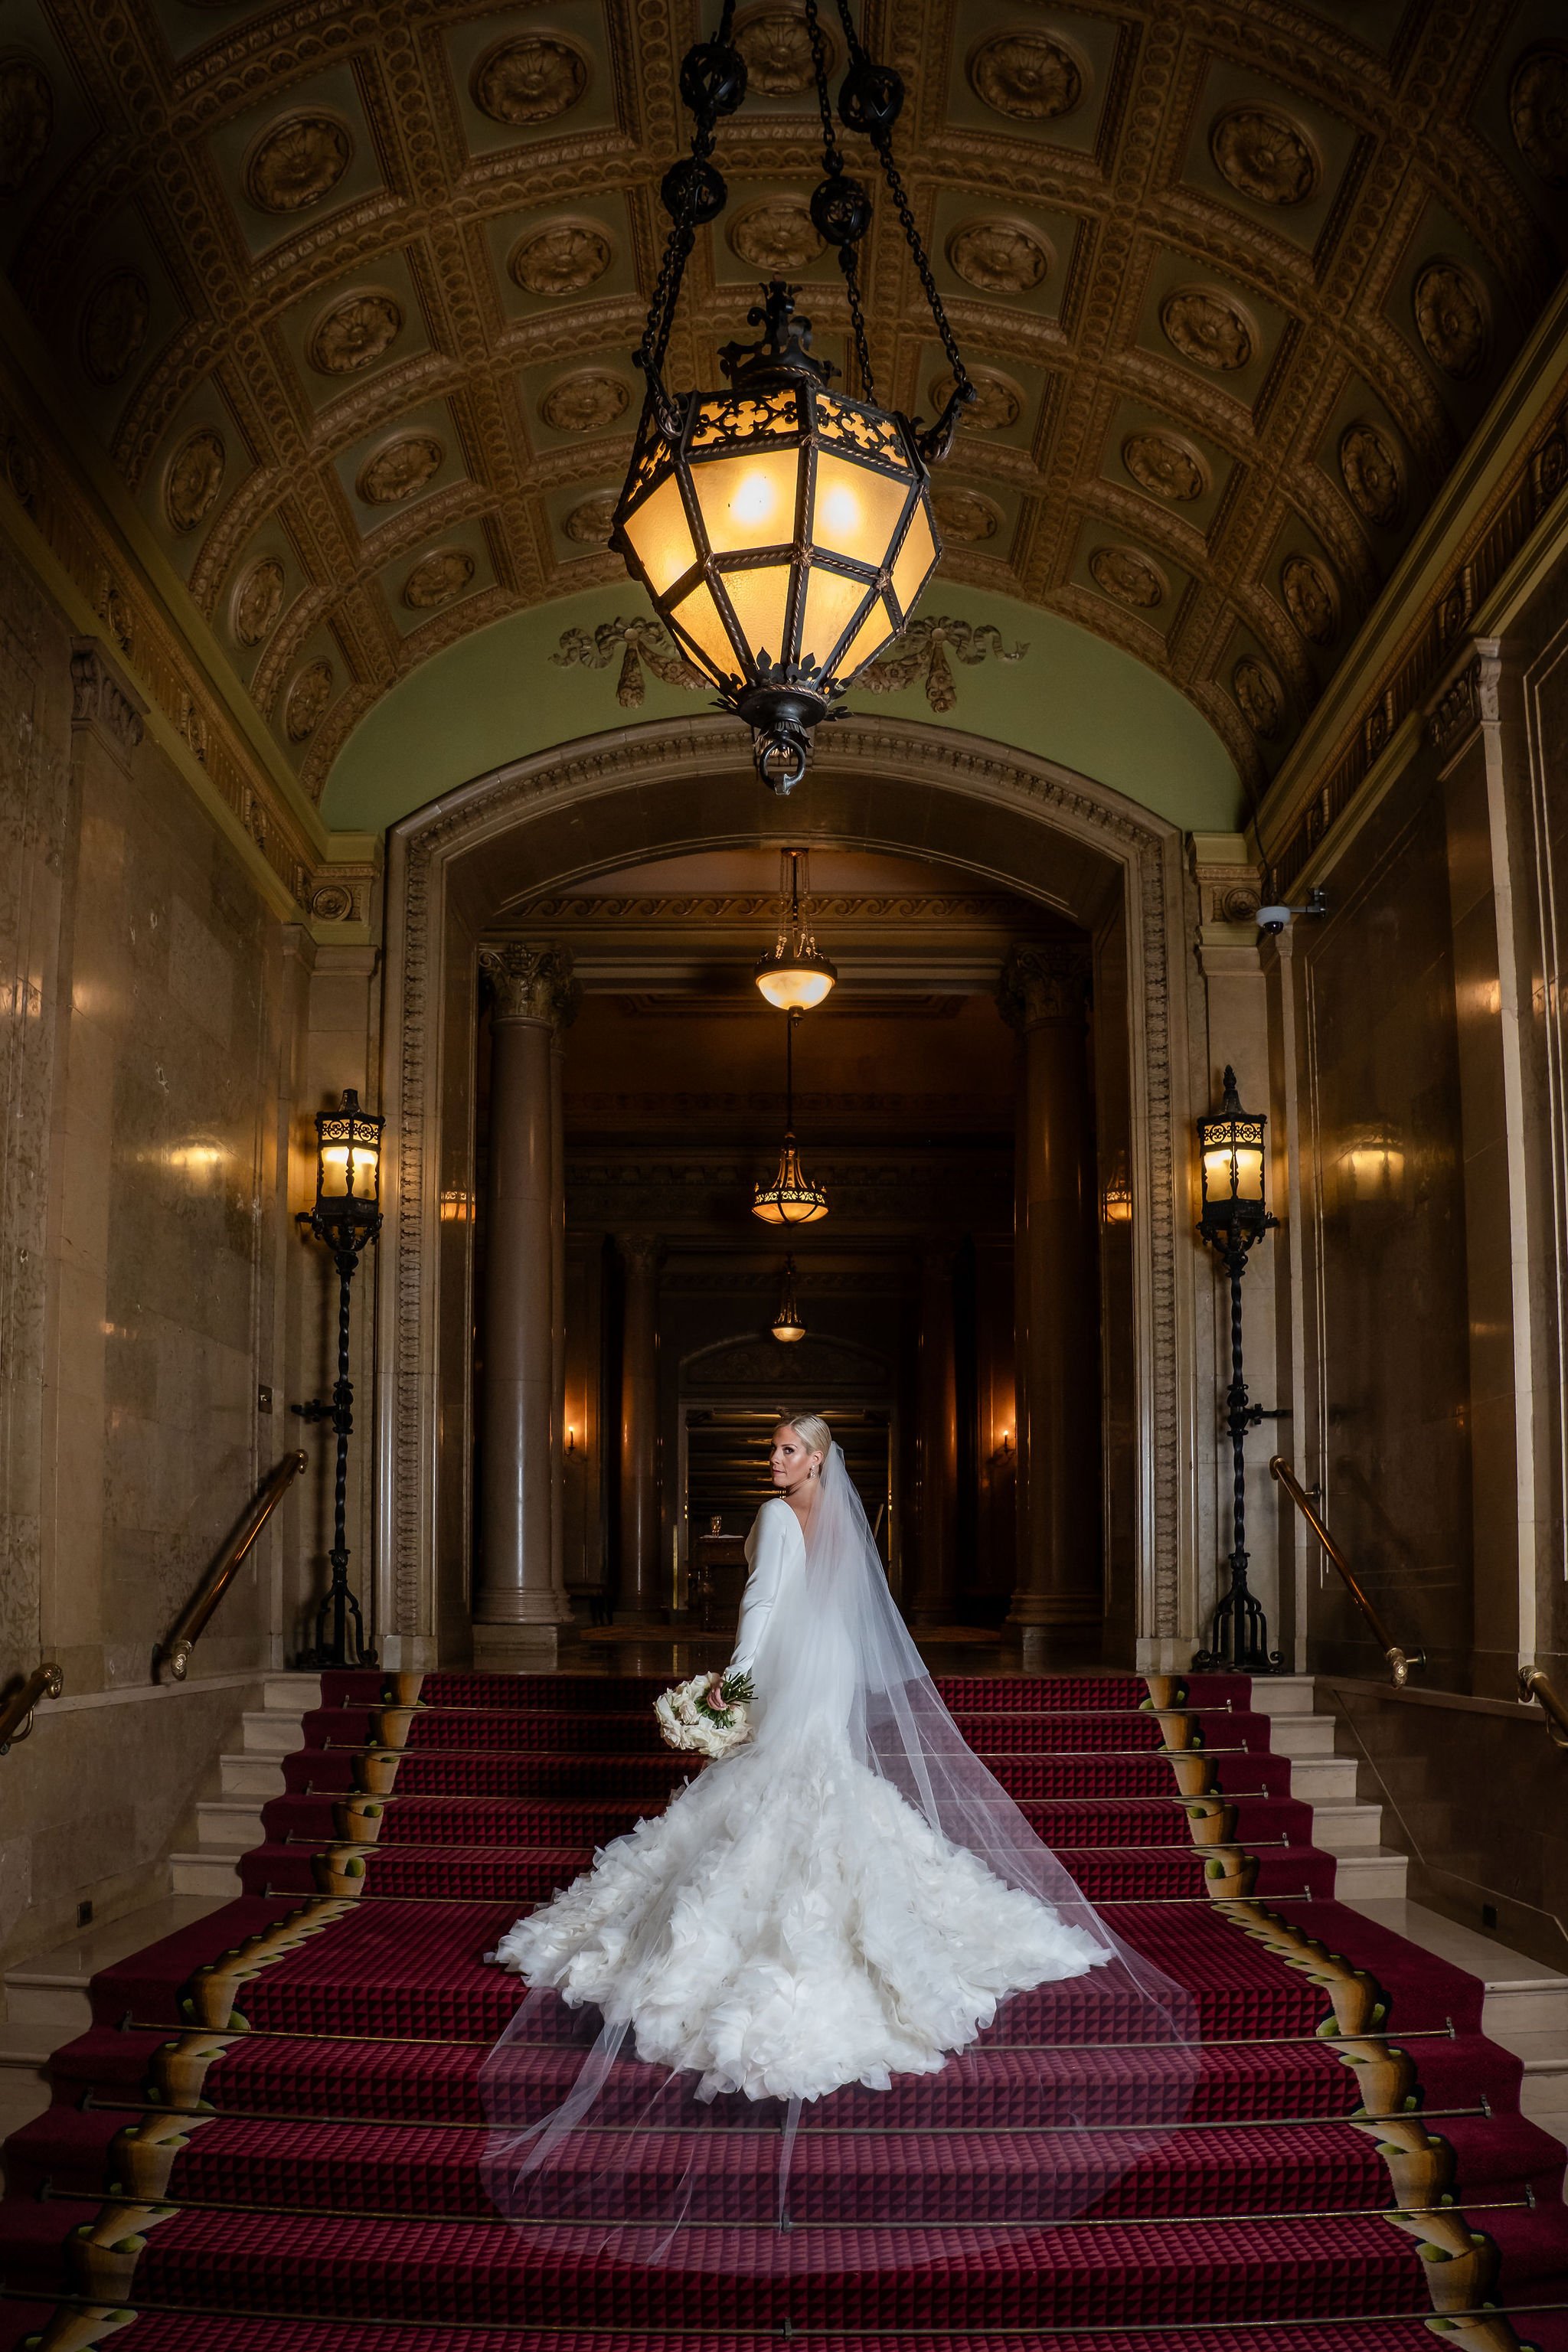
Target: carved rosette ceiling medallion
[
  {"x": 776, "y": 236},
  {"x": 26, "y": 120},
  {"x": 531, "y": 80},
  {"x": 114, "y": 324},
  {"x": 586, "y": 403},
  {"x": 1538, "y": 111},
  {"x": 355, "y": 334},
  {"x": 967, "y": 515},
  {"x": 307, "y": 701},
  {"x": 1264, "y": 154},
  {"x": 1000, "y": 403},
  {"x": 1130, "y": 577},
  {"x": 436, "y": 579},
  {"x": 1259, "y": 697},
  {"x": 589, "y": 525},
  {"x": 1166, "y": 464},
  {"x": 258, "y": 601},
  {"x": 1451, "y": 318},
  {"x": 560, "y": 259},
  {"x": 399, "y": 469},
  {"x": 294, "y": 163},
  {"x": 999, "y": 257},
  {"x": 1372, "y": 475},
  {"x": 777, "y": 50},
  {"x": 1311, "y": 599},
  {"x": 1027, "y": 75},
  {"x": 1208, "y": 329}
]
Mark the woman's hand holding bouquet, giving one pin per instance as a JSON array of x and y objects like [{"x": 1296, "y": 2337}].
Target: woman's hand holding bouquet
[{"x": 707, "y": 1715}]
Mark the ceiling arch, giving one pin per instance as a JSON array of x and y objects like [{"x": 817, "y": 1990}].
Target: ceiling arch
[{"x": 348, "y": 297}]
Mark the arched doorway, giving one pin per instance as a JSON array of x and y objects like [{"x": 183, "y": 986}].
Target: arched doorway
[{"x": 1053, "y": 839}]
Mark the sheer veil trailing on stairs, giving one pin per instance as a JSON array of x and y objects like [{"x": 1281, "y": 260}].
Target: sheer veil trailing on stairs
[{"x": 585, "y": 2132}]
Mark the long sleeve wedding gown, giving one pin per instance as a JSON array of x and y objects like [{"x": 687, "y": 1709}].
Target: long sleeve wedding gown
[{"x": 820, "y": 1908}]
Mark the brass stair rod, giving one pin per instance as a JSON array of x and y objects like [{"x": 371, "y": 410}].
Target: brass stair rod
[
  {"x": 1533, "y": 1683},
  {"x": 175, "y": 1652},
  {"x": 1399, "y": 1660},
  {"x": 16, "y": 1708}
]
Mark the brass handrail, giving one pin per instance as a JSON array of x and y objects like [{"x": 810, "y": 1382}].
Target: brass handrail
[
  {"x": 176, "y": 1651},
  {"x": 1533, "y": 1683},
  {"x": 17, "y": 1707},
  {"x": 1399, "y": 1660}
]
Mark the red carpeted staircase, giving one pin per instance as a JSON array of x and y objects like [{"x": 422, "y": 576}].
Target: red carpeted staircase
[{"x": 268, "y": 2140}]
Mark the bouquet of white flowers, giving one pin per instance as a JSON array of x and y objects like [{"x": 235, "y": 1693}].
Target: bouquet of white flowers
[{"x": 708, "y": 1714}]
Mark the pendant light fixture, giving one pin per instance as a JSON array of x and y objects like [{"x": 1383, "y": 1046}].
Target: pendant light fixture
[
  {"x": 782, "y": 531},
  {"x": 794, "y": 975},
  {"x": 792, "y": 1199},
  {"x": 787, "y": 1324}
]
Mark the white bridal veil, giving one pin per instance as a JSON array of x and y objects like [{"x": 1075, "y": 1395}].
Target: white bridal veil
[{"x": 583, "y": 2133}]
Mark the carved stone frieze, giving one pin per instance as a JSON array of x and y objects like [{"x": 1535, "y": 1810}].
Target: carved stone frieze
[
  {"x": 103, "y": 698},
  {"x": 1230, "y": 890},
  {"x": 336, "y": 894},
  {"x": 1470, "y": 699},
  {"x": 531, "y": 984}
]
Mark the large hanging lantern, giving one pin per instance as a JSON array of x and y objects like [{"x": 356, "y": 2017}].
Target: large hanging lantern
[
  {"x": 792, "y": 1199},
  {"x": 782, "y": 530},
  {"x": 794, "y": 975}
]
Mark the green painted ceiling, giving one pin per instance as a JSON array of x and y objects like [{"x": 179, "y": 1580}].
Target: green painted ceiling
[{"x": 499, "y": 695}]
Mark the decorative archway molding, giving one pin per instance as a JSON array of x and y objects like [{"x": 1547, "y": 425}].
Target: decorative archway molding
[{"x": 640, "y": 793}]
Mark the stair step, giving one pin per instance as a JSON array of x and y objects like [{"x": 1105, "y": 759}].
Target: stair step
[
  {"x": 210, "y": 1872},
  {"x": 1380, "y": 1875},
  {"x": 1323, "y": 1780},
  {"x": 1279, "y": 1695},
  {"x": 274, "y": 1732},
  {"x": 228, "y": 1822},
  {"x": 48, "y": 1993},
  {"x": 1302, "y": 1735},
  {"x": 245, "y": 1775},
  {"x": 1347, "y": 1828}
]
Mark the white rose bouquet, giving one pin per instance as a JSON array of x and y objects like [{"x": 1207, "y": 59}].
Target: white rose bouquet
[{"x": 707, "y": 1715}]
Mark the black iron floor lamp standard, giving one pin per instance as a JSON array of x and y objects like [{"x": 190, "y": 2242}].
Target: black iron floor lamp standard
[
  {"x": 1235, "y": 1218},
  {"x": 347, "y": 1217}
]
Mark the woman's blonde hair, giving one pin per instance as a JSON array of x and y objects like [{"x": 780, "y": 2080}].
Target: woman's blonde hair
[{"x": 811, "y": 1428}]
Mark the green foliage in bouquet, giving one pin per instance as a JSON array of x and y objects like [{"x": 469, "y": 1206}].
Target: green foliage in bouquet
[{"x": 735, "y": 1690}]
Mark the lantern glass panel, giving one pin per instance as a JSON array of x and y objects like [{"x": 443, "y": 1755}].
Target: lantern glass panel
[
  {"x": 833, "y": 600},
  {"x": 870, "y": 638},
  {"x": 749, "y": 502},
  {"x": 660, "y": 537},
  {"x": 916, "y": 558},
  {"x": 697, "y": 617},
  {"x": 334, "y": 1175},
  {"x": 1218, "y": 1156},
  {"x": 855, "y": 512},
  {"x": 760, "y": 599}
]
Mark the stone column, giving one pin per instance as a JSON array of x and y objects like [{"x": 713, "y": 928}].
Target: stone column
[
  {"x": 519, "y": 1603},
  {"x": 936, "y": 1560},
  {"x": 638, "y": 1598},
  {"x": 558, "y": 1306},
  {"x": 1044, "y": 996}
]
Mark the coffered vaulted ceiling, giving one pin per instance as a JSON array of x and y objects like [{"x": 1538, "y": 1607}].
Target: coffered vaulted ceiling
[{"x": 348, "y": 294}]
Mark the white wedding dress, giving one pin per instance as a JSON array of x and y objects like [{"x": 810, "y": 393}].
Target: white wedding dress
[{"x": 794, "y": 1922}]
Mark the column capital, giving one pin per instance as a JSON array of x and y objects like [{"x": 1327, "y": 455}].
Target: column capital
[
  {"x": 1048, "y": 981},
  {"x": 103, "y": 698},
  {"x": 640, "y": 1253},
  {"x": 1470, "y": 696},
  {"x": 532, "y": 983}
]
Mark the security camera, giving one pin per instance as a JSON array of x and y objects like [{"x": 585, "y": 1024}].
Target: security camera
[{"x": 1274, "y": 920}]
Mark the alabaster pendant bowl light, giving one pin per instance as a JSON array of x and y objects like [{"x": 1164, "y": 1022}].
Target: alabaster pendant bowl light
[
  {"x": 792, "y": 1199},
  {"x": 783, "y": 530},
  {"x": 794, "y": 975},
  {"x": 787, "y": 1324}
]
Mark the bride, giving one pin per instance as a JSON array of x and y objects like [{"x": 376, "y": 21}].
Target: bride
[{"x": 848, "y": 1897}]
